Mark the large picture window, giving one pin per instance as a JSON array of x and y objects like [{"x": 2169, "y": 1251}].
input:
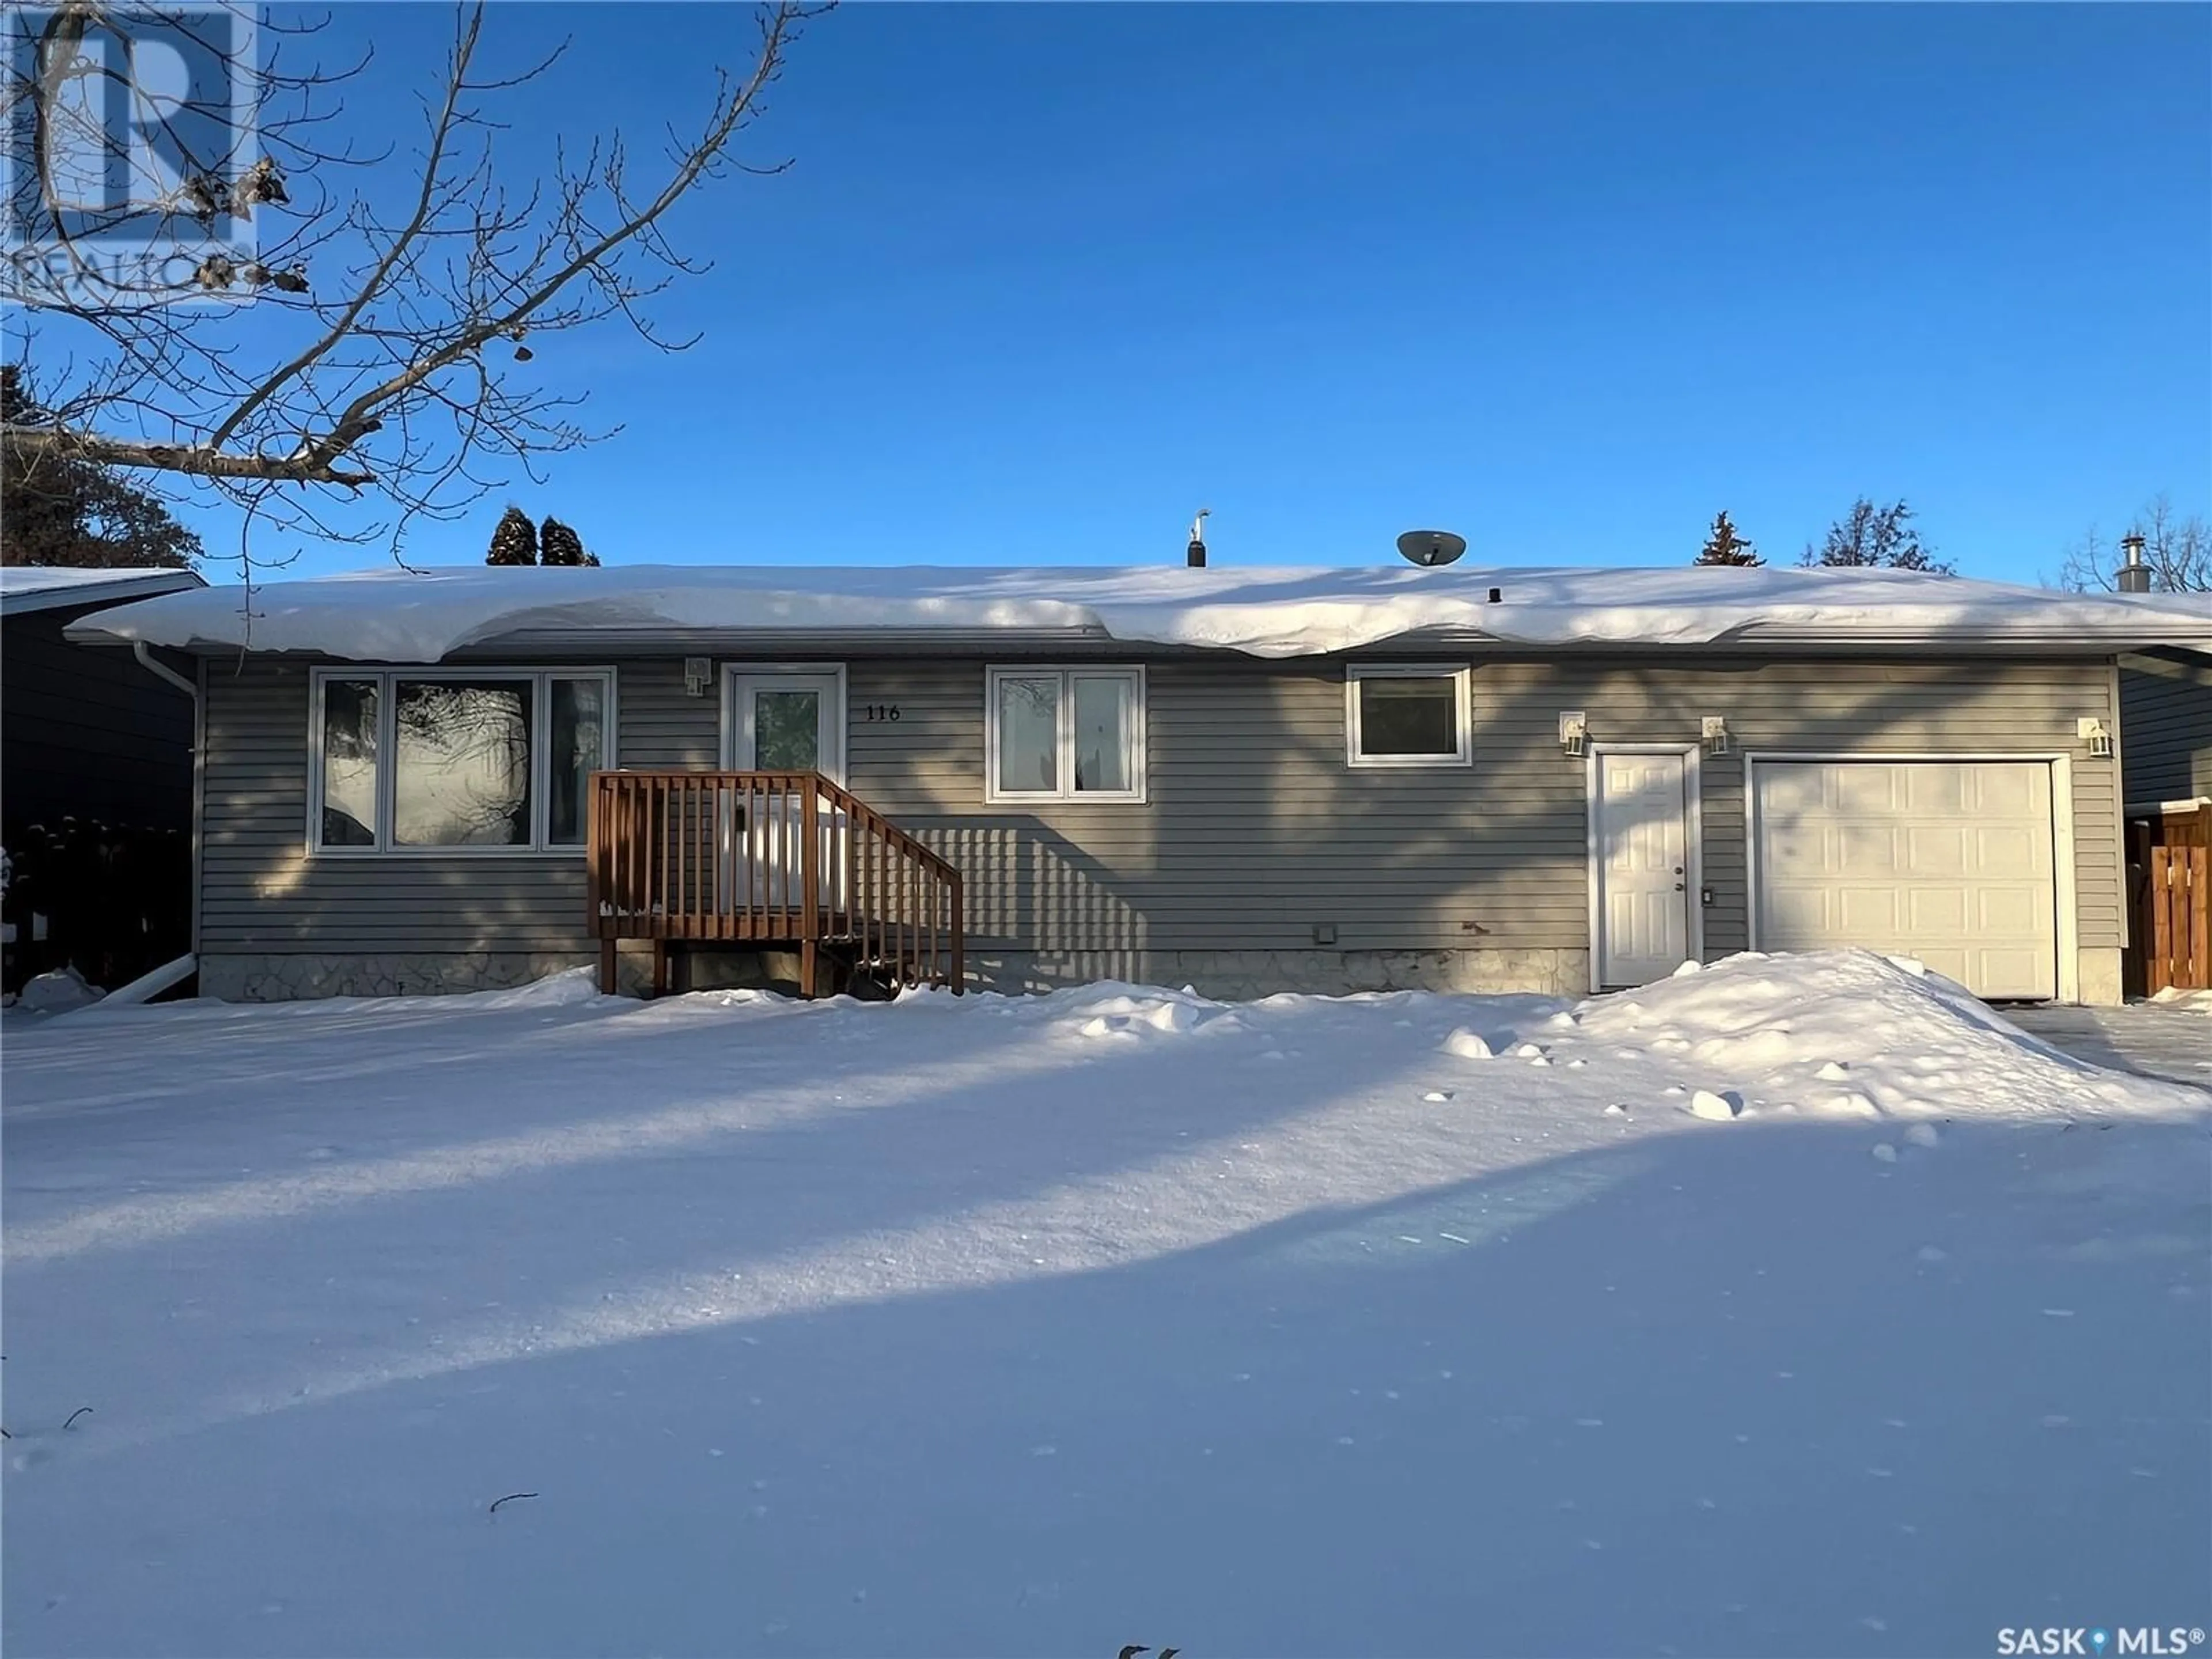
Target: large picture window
[
  {"x": 1065, "y": 734},
  {"x": 406, "y": 761},
  {"x": 1408, "y": 714}
]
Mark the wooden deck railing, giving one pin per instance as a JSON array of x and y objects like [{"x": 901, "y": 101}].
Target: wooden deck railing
[{"x": 772, "y": 858}]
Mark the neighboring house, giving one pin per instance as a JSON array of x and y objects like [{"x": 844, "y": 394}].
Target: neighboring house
[
  {"x": 2166, "y": 718},
  {"x": 2165, "y": 755},
  {"x": 1250, "y": 781},
  {"x": 95, "y": 776}
]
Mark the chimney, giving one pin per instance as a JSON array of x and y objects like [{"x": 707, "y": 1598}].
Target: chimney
[
  {"x": 2134, "y": 575},
  {"x": 1194, "y": 555}
]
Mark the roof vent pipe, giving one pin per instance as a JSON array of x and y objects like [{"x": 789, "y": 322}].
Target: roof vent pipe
[
  {"x": 2134, "y": 575},
  {"x": 1194, "y": 555}
]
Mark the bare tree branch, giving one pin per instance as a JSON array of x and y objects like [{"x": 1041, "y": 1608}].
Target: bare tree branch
[
  {"x": 2178, "y": 550},
  {"x": 384, "y": 355}
]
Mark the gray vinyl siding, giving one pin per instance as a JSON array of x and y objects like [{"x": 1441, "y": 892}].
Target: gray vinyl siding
[
  {"x": 2165, "y": 727},
  {"x": 87, "y": 732},
  {"x": 1254, "y": 831}
]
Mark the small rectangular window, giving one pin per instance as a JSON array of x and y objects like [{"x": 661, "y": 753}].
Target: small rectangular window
[
  {"x": 1105, "y": 709},
  {"x": 576, "y": 748},
  {"x": 349, "y": 732},
  {"x": 1028, "y": 710},
  {"x": 498, "y": 760},
  {"x": 1406, "y": 715},
  {"x": 1066, "y": 734}
]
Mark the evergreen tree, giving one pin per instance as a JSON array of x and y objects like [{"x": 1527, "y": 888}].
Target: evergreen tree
[
  {"x": 1724, "y": 546},
  {"x": 560, "y": 544},
  {"x": 515, "y": 540},
  {"x": 1869, "y": 536},
  {"x": 58, "y": 510}
]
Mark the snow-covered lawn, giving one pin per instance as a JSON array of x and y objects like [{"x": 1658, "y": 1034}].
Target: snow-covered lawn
[{"x": 982, "y": 1326}]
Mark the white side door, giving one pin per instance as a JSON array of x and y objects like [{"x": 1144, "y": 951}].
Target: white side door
[{"x": 1642, "y": 867}]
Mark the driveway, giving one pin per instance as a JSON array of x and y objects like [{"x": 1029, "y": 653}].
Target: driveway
[{"x": 2168, "y": 1042}]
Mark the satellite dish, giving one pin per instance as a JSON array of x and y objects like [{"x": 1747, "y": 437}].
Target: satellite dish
[{"x": 1430, "y": 547}]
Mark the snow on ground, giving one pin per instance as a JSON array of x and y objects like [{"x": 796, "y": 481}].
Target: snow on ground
[
  {"x": 1791, "y": 1306},
  {"x": 421, "y": 616}
]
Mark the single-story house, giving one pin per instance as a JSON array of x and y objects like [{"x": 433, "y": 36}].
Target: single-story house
[
  {"x": 1248, "y": 779},
  {"x": 96, "y": 779}
]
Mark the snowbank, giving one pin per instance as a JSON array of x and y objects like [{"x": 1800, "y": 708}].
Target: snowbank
[
  {"x": 1790, "y": 1306},
  {"x": 398, "y": 615},
  {"x": 1847, "y": 1031}
]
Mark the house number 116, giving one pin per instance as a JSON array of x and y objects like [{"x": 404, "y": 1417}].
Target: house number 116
[{"x": 879, "y": 711}]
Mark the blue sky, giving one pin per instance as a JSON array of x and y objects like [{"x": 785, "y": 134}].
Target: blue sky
[{"x": 1565, "y": 278}]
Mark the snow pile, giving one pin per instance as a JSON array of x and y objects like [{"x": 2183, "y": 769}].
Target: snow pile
[
  {"x": 57, "y": 991},
  {"x": 2173, "y": 996},
  {"x": 1120, "y": 1315},
  {"x": 1846, "y": 1032},
  {"x": 400, "y": 615}
]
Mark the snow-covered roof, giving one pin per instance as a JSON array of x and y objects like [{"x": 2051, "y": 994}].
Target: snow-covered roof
[
  {"x": 400, "y": 615},
  {"x": 46, "y": 587}
]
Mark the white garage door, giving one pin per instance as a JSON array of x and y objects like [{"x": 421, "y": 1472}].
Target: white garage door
[{"x": 1949, "y": 861}]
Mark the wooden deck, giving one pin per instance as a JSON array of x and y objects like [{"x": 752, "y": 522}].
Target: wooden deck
[{"x": 769, "y": 858}]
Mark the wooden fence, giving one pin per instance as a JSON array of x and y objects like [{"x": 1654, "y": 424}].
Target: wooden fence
[{"x": 2170, "y": 883}]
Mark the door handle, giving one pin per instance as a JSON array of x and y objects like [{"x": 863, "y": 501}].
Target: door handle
[{"x": 1680, "y": 888}]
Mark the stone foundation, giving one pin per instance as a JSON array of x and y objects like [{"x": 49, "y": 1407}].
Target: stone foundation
[
  {"x": 283, "y": 977},
  {"x": 1232, "y": 974},
  {"x": 275, "y": 977}
]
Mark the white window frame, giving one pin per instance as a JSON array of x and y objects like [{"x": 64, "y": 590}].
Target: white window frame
[
  {"x": 1064, "y": 766},
  {"x": 1462, "y": 676},
  {"x": 386, "y": 680}
]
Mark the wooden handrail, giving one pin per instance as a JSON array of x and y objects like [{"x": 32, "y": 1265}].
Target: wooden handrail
[{"x": 785, "y": 857}]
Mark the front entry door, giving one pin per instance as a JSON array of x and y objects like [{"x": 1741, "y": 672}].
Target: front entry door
[
  {"x": 776, "y": 720},
  {"x": 1643, "y": 867},
  {"x": 784, "y": 721}
]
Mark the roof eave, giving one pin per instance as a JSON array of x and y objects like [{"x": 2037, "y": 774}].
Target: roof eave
[
  {"x": 1087, "y": 640},
  {"x": 122, "y": 591}
]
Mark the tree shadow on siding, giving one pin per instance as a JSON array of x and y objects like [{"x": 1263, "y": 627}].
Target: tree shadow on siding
[{"x": 1494, "y": 856}]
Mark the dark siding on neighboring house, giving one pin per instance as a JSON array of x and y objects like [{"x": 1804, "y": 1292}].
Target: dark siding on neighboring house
[
  {"x": 1256, "y": 830},
  {"x": 86, "y": 731},
  {"x": 2165, "y": 726}
]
